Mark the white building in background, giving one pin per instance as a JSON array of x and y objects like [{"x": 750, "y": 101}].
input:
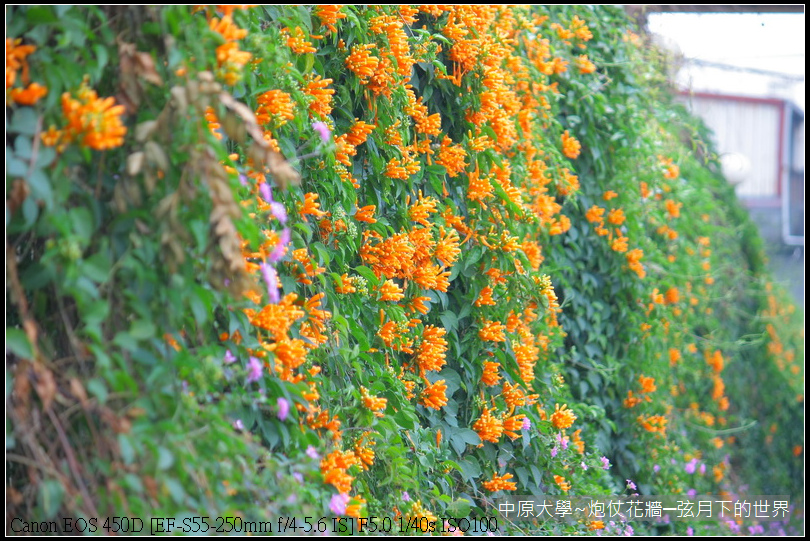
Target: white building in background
[
  {"x": 761, "y": 147},
  {"x": 744, "y": 76}
]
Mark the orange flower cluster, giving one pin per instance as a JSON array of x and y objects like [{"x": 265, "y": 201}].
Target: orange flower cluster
[
  {"x": 91, "y": 121},
  {"x": 488, "y": 427},
  {"x": 390, "y": 291},
  {"x": 491, "y": 376},
  {"x": 500, "y": 483},
  {"x": 634, "y": 262},
  {"x": 329, "y": 16},
  {"x": 364, "y": 452},
  {"x": 334, "y": 466},
  {"x": 297, "y": 42},
  {"x": 230, "y": 60},
  {"x": 585, "y": 65},
  {"x": 564, "y": 485},
  {"x": 653, "y": 423},
  {"x": 372, "y": 402},
  {"x": 434, "y": 395},
  {"x": 321, "y": 105},
  {"x": 275, "y": 106},
  {"x": 431, "y": 352},
  {"x": 492, "y": 331},
  {"x": 570, "y": 145},
  {"x": 562, "y": 417}
]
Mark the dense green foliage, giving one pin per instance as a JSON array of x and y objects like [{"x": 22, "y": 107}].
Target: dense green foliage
[{"x": 496, "y": 256}]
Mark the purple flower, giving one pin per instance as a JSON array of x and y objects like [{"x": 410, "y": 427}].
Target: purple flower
[
  {"x": 271, "y": 279},
  {"x": 691, "y": 466},
  {"x": 238, "y": 425},
  {"x": 584, "y": 466},
  {"x": 562, "y": 441},
  {"x": 243, "y": 180},
  {"x": 229, "y": 357},
  {"x": 554, "y": 451},
  {"x": 338, "y": 503},
  {"x": 691, "y": 492},
  {"x": 298, "y": 477},
  {"x": 689, "y": 531},
  {"x": 313, "y": 453},
  {"x": 278, "y": 249},
  {"x": 406, "y": 497},
  {"x": 323, "y": 131},
  {"x": 631, "y": 485},
  {"x": 527, "y": 424},
  {"x": 266, "y": 192},
  {"x": 254, "y": 370},
  {"x": 703, "y": 469},
  {"x": 283, "y": 408},
  {"x": 628, "y": 531},
  {"x": 656, "y": 468},
  {"x": 605, "y": 463}
]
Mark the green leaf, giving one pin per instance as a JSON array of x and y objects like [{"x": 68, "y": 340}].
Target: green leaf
[
  {"x": 141, "y": 329},
  {"x": 24, "y": 121},
  {"x": 40, "y": 15},
  {"x": 126, "y": 448},
  {"x": 17, "y": 342},
  {"x": 459, "y": 508},
  {"x": 469, "y": 468},
  {"x": 51, "y": 493},
  {"x": 40, "y": 186},
  {"x": 165, "y": 458},
  {"x": 97, "y": 388},
  {"x": 82, "y": 221}
]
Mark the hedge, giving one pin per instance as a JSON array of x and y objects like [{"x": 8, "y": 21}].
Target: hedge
[{"x": 316, "y": 262}]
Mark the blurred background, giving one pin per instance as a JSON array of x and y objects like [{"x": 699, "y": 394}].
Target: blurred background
[{"x": 741, "y": 68}]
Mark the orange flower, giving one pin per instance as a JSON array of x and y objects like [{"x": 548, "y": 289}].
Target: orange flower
[
  {"x": 647, "y": 384},
  {"x": 92, "y": 121},
  {"x": 513, "y": 425},
  {"x": 596, "y": 525},
  {"x": 366, "y": 214},
  {"x": 619, "y": 244},
  {"x": 310, "y": 206},
  {"x": 634, "y": 262},
  {"x": 500, "y": 483},
  {"x": 562, "y": 417},
  {"x": 30, "y": 95},
  {"x": 275, "y": 105},
  {"x": 485, "y": 298},
  {"x": 585, "y": 66},
  {"x": 421, "y": 210},
  {"x": 631, "y": 401},
  {"x": 608, "y": 195},
  {"x": 321, "y": 105},
  {"x": 329, "y": 15},
  {"x": 390, "y": 291},
  {"x": 571, "y": 146},
  {"x": 451, "y": 157},
  {"x": 616, "y": 217},
  {"x": 595, "y": 214},
  {"x": 488, "y": 427},
  {"x": 434, "y": 395},
  {"x": 372, "y": 402},
  {"x": 297, "y": 41},
  {"x": 673, "y": 208},
  {"x": 491, "y": 375},
  {"x": 562, "y": 483},
  {"x": 346, "y": 286},
  {"x": 674, "y": 356},
  {"x": 430, "y": 355},
  {"x": 16, "y": 59},
  {"x": 492, "y": 331}
]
